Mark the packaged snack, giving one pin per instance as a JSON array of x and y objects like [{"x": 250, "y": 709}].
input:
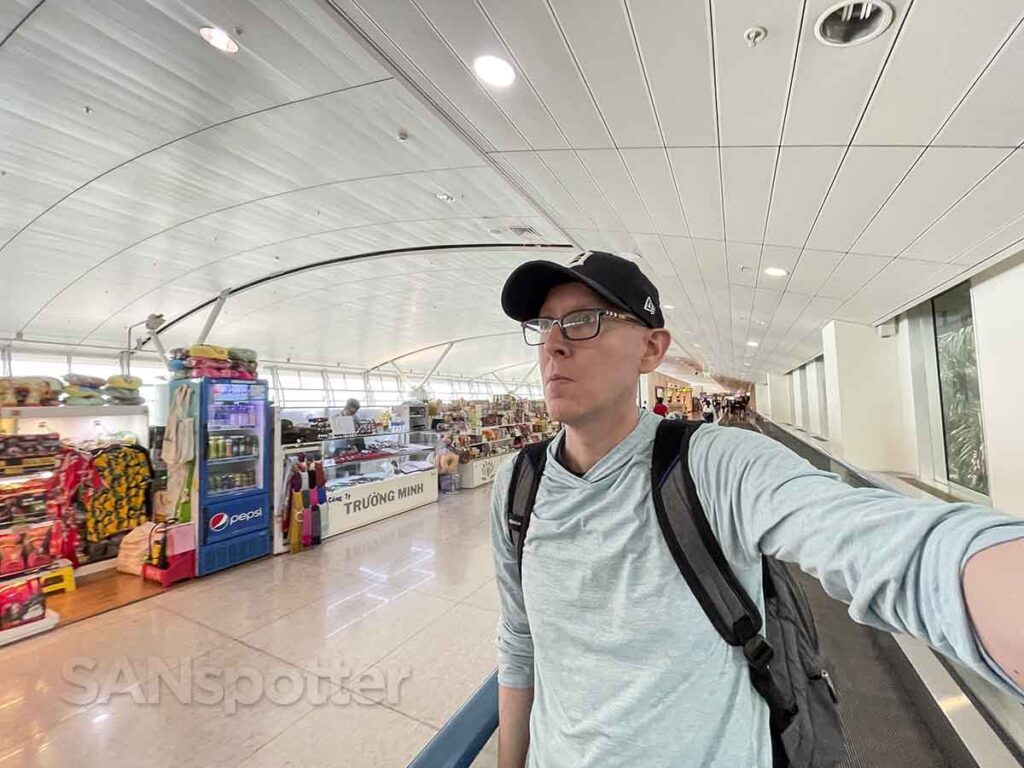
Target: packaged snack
[
  {"x": 39, "y": 540},
  {"x": 21, "y": 603},
  {"x": 12, "y": 553}
]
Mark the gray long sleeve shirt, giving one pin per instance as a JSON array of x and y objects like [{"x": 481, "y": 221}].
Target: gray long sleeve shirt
[{"x": 627, "y": 669}]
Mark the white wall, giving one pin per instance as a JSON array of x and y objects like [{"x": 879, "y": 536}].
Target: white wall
[
  {"x": 763, "y": 399},
  {"x": 998, "y": 300},
  {"x": 796, "y": 381},
  {"x": 815, "y": 407},
  {"x": 778, "y": 390},
  {"x": 866, "y": 419}
]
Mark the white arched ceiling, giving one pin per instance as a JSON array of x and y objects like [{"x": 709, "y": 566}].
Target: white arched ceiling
[
  {"x": 143, "y": 171},
  {"x": 366, "y": 313},
  {"x": 875, "y": 174},
  {"x": 194, "y": 171}
]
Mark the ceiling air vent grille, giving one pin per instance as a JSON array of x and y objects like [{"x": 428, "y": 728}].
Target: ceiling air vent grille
[
  {"x": 853, "y": 23},
  {"x": 524, "y": 231}
]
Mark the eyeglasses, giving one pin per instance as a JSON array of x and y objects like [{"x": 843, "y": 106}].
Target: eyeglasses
[{"x": 579, "y": 325}]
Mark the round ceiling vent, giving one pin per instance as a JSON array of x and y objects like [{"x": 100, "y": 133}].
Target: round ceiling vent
[{"x": 853, "y": 23}]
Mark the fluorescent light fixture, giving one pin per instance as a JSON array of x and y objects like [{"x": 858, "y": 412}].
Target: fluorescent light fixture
[
  {"x": 668, "y": 306},
  {"x": 776, "y": 272},
  {"x": 494, "y": 70},
  {"x": 752, "y": 344},
  {"x": 219, "y": 39}
]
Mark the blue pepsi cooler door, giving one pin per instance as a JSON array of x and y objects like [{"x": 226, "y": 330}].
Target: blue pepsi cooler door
[{"x": 235, "y": 481}]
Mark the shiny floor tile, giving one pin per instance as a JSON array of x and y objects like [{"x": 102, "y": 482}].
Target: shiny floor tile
[
  {"x": 361, "y": 735},
  {"x": 410, "y": 601},
  {"x": 446, "y": 663}
]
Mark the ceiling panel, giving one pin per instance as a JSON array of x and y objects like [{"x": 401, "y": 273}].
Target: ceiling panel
[
  {"x": 938, "y": 180},
  {"x": 866, "y": 178},
  {"x": 681, "y": 251},
  {"x": 547, "y": 188},
  {"x": 919, "y": 90},
  {"x": 566, "y": 166},
  {"x": 832, "y": 85},
  {"x": 529, "y": 30},
  {"x": 812, "y": 270},
  {"x": 781, "y": 256},
  {"x": 753, "y": 82},
  {"x": 599, "y": 33},
  {"x": 990, "y": 206},
  {"x": 674, "y": 46},
  {"x": 654, "y": 256},
  {"x": 12, "y": 13},
  {"x": 650, "y": 170},
  {"x": 610, "y": 174},
  {"x": 697, "y": 176},
  {"x": 986, "y": 116},
  {"x": 465, "y": 28},
  {"x": 148, "y": 78},
  {"x": 424, "y": 57},
  {"x": 1005, "y": 238},
  {"x": 853, "y": 273},
  {"x": 747, "y": 180},
  {"x": 712, "y": 261},
  {"x": 801, "y": 183},
  {"x": 902, "y": 280},
  {"x": 743, "y": 259}
]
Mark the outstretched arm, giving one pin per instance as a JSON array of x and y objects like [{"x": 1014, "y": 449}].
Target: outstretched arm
[
  {"x": 994, "y": 591},
  {"x": 899, "y": 563}
]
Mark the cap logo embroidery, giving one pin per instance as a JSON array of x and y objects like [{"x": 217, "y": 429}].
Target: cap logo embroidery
[
  {"x": 649, "y": 305},
  {"x": 580, "y": 259}
]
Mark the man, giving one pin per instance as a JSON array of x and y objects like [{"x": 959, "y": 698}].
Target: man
[
  {"x": 660, "y": 409},
  {"x": 605, "y": 657}
]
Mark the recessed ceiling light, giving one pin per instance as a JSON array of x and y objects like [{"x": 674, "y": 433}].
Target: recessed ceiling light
[
  {"x": 444, "y": 197},
  {"x": 752, "y": 344},
  {"x": 776, "y": 272},
  {"x": 696, "y": 345},
  {"x": 219, "y": 39},
  {"x": 494, "y": 70},
  {"x": 852, "y": 23}
]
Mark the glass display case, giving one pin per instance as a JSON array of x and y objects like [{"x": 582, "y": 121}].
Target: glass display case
[{"x": 368, "y": 476}]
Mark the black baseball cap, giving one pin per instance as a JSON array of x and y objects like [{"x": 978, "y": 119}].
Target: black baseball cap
[{"x": 615, "y": 279}]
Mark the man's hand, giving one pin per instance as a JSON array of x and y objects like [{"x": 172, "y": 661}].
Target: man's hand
[
  {"x": 514, "y": 705},
  {"x": 994, "y": 591}
]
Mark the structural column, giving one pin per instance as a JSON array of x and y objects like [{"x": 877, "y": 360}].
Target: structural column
[{"x": 866, "y": 421}]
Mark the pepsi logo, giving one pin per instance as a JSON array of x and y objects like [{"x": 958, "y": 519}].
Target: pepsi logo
[{"x": 219, "y": 522}]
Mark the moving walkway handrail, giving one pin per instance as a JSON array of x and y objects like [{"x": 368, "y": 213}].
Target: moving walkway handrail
[{"x": 460, "y": 740}]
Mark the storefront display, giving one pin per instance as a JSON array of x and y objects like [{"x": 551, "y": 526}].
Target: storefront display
[{"x": 350, "y": 480}]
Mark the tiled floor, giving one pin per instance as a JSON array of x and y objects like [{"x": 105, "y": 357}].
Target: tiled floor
[{"x": 403, "y": 612}]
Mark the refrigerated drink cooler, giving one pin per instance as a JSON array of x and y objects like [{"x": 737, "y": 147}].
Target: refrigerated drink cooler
[{"x": 232, "y": 472}]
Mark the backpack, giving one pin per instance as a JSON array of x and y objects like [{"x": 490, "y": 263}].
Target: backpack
[{"x": 786, "y": 668}]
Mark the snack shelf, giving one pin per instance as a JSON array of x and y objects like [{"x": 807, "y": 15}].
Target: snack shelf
[
  {"x": 233, "y": 459},
  {"x": 71, "y": 411}
]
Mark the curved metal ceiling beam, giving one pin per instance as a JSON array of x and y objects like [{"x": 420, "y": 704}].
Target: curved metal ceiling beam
[{"x": 391, "y": 252}]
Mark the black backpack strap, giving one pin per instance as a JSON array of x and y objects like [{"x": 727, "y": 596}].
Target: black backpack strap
[
  {"x": 702, "y": 563},
  {"x": 522, "y": 493}
]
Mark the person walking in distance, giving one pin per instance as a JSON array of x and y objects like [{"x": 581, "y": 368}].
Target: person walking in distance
[
  {"x": 660, "y": 408},
  {"x": 606, "y": 655}
]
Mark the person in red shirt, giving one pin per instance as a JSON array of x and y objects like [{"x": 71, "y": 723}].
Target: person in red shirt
[{"x": 660, "y": 408}]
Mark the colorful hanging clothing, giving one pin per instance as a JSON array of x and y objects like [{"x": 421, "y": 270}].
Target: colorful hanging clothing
[{"x": 121, "y": 501}]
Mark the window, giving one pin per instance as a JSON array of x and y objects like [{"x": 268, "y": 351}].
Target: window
[{"x": 958, "y": 389}]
